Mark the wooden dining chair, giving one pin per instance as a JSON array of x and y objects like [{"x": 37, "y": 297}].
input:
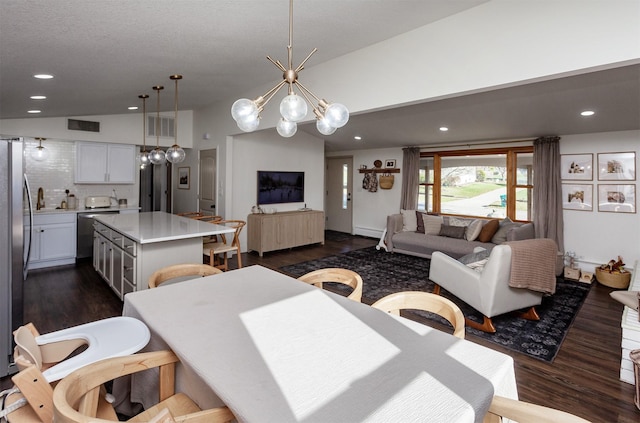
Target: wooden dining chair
[
  {"x": 338, "y": 275},
  {"x": 418, "y": 300},
  {"x": 178, "y": 272},
  {"x": 190, "y": 214},
  {"x": 222, "y": 247},
  {"x": 74, "y": 398},
  {"x": 524, "y": 412},
  {"x": 211, "y": 218}
]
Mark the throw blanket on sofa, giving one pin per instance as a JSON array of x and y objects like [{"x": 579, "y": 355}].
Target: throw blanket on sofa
[{"x": 533, "y": 263}]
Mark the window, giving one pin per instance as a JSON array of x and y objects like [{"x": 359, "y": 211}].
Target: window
[
  {"x": 484, "y": 183},
  {"x": 345, "y": 187}
]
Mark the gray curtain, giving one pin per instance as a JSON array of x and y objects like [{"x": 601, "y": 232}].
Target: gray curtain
[
  {"x": 410, "y": 177},
  {"x": 547, "y": 190}
]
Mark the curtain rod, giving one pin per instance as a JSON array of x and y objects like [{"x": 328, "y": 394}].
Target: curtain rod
[{"x": 476, "y": 143}]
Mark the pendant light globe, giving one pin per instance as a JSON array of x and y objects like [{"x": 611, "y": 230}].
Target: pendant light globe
[
  {"x": 337, "y": 115},
  {"x": 40, "y": 153},
  {"x": 243, "y": 109},
  {"x": 157, "y": 156},
  {"x": 293, "y": 108},
  {"x": 286, "y": 129},
  {"x": 175, "y": 154},
  {"x": 323, "y": 126}
]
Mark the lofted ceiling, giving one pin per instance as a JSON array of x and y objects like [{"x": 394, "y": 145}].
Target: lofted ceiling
[{"x": 104, "y": 53}]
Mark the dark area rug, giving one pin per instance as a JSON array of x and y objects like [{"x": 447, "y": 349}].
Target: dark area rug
[{"x": 385, "y": 273}]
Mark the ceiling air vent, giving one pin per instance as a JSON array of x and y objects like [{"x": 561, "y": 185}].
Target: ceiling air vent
[{"x": 83, "y": 125}]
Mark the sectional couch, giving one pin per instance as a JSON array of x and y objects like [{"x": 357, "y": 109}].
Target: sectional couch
[{"x": 420, "y": 234}]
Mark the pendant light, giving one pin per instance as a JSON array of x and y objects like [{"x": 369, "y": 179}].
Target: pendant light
[
  {"x": 293, "y": 108},
  {"x": 175, "y": 154},
  {"x": 143, "y": 156},
  {"x": 40, "y": 153},
  {"x": 157, "y": 156}
]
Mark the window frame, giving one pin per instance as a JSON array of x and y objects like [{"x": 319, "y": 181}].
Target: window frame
[{"x": 511, "y": 154}]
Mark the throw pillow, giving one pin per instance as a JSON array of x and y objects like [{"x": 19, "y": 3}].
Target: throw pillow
[
  {"x": 488, "y": 230},
  {"x": 473, "y": 230},
  {"x": 432, "y": 224},
  {"x": 458, "y": 221},
  {"x": 473, "y": 257},
  {"x": 420, "y": 222},
  {"x": 501, "y": 234},
  {"x": 409, "y": 220},
  {"x": 452, "y": 231},
  {"x": 476, "y": 261}
]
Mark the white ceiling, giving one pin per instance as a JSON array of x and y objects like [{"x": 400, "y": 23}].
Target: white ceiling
[{"x": 104, "y": 53}]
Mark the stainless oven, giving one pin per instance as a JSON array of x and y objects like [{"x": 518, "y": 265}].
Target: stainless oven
[{"x": 84, "y": 243}]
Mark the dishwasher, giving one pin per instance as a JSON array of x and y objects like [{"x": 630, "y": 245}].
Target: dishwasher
[{"x": 84, "y": 244}]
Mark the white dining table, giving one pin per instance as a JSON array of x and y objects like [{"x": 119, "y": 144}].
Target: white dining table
[{"x": 275, "y": 349}]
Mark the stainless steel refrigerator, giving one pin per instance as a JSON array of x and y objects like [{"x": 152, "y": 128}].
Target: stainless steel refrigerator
[{"x": 15, "y": 213}]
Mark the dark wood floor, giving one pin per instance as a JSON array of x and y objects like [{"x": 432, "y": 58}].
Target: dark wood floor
[{"x": 583, "y": 379}]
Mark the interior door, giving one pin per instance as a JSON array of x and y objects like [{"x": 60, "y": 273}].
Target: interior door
[
  {"x": 339, "y": 182},
  {"x": 207, "y": 182}
]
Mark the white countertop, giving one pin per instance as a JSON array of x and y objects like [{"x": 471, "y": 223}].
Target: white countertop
[
  {"x": 83, "y": 210},
  {"x": 149, "y": 227}
]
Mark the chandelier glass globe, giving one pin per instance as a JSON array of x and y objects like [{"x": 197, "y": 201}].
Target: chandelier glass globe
[
  {"x": 323, "y": 127},
  {"x": 293, "y": 108},
  {"x": 243, "y": 108},
  {"x": 285, "y": 128},
  {"x": 249, "y": 123},
  {"x": 337, "y": 115}
]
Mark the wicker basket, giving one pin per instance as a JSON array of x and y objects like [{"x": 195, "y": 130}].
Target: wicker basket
[{"x": 613, "y": 280}]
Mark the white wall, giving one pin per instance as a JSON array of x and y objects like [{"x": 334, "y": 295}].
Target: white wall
[
  {"x": 370, "y": 209},
  {"x": 269, "y": 151},
  {"x": 597, "y": 237}
]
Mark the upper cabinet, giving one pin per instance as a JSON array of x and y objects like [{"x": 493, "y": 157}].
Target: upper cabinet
[{"x": 100, "y": 163}]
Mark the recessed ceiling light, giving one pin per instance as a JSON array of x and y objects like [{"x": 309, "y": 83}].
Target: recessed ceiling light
[
  {"x": 588, "y": 113},
  {"x": 43, "y": 76},
  {"x": 38, "y": 97},
  {"x": 34, "y": 111},
  {"x": 444, "y": 129},
  {"x": 132, "y": 107},
  {"x": 357, "y": 138}
]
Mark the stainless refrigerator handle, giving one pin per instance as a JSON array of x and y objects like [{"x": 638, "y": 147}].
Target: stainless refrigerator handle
[{"x": 25, "y": 269}]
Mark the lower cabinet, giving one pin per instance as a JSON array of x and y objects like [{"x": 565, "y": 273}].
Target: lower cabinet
[
  {"x": 271, "y": 232},
  {"x": 114, "y": 258},
  {"x": 53, "y": 241}
]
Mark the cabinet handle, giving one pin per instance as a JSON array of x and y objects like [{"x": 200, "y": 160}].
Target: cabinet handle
[
  {"x": 117, "y": 239},
  {"x": 129, "y": 247}
]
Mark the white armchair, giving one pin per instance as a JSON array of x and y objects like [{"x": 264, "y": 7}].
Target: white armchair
[{"x": 487, "y": 291}]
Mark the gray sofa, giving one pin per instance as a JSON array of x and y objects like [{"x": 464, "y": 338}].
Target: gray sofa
[{"x": 418, "y": 244}]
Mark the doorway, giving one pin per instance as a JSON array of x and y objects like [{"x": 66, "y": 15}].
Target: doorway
[
  {"x": 154, "y": 192},
  {"x": 207, "y": 182},
  {"x": 339, "y": 183}
]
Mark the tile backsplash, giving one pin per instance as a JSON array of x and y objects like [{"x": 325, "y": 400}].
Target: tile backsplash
[{"x": 56, "y": 174}]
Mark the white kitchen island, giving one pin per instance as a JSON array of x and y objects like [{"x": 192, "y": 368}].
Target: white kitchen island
[{"x": 128, "y": 248}]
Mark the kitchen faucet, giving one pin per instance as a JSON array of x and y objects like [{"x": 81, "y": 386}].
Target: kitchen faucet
[{"x": 40, "y": 204}]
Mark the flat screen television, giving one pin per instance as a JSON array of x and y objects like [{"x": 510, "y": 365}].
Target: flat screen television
[{"x": 276, "y": 187}]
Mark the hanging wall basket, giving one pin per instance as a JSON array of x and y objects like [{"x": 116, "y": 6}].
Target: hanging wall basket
[{"x": 386, "y": 181}]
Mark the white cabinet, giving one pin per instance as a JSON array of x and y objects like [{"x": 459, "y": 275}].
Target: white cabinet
[
  {"x": 54, "y": 240},
  {"x": 114, "y": 258},
  {"x": 99, "y": 163}
]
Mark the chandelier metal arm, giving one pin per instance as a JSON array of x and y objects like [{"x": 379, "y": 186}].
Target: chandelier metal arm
[
  {"x": 264, "y": 99},
  {"x": 277, "y": 64},
  {"x": 301, "y": 65},
  {"x": 304, "y": 89}
]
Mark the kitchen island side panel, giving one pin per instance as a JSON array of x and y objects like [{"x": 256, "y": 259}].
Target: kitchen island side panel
[{"x": 157, "y": 255}]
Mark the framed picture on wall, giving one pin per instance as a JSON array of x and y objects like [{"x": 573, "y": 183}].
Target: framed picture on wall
[
  {"x": 617, "y": 198},
  {"x": 577, "y": 167},
  {"x": 390, "y": 163},
  {"x": 617, "y": 166},
  {"x": 184, "y": 177},
  {"x": 577, "y": 197}
]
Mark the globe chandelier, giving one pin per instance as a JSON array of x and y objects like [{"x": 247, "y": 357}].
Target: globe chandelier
[
  {"x": 157, "y": 156},
  {"x": 293, "y": 108},
  {"x": 175, "y": 154}
]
